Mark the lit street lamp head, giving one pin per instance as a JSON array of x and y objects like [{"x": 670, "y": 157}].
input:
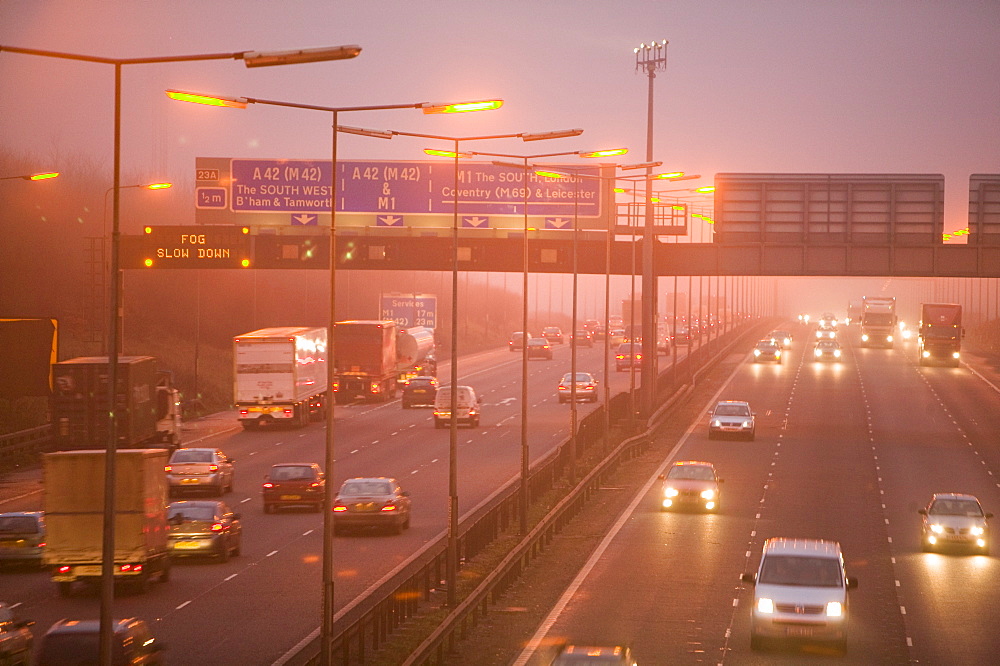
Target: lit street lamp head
[
  {"x": 462, "y": 107},
  {"x": 208, "y": 100}
]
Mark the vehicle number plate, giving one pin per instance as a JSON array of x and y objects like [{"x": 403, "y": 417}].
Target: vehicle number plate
[
  {"x": 187, "y": 544},
  {"x": 799, "y": 631},
  {"x": 291, "y": 497},
  {"x": 189, "y": 481},
  {"x": 87, "y": 570}
]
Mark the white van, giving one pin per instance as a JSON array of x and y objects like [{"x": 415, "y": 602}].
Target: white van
[
  {"x": 800, "y": 592},
  {"x": 468, "y": 407}
]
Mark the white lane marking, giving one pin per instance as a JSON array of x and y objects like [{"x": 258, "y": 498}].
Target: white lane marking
[
  {"x": 243, "y": 501},
  {"x": 253, "y": 453},
  {"x": 375, "y": 441},
  {"x": 230, "y": 577},
  {"x": 273, "y": 552},
  {"x": 307, "y": 533},
  {"x": 414, "y": 471},
  {"x": 183, "y": 605},
  {"x": 355, "y": 450},
  {"x": 15, "y": 605}
]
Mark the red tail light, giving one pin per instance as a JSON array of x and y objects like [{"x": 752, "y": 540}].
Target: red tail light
[
  {"x": 315, "y": 484},
  {"x": 136, "y": 568},
  {"x": 269, "y": 485},
  {"x": 288, "y": 412},
  {"x": 218, "y": 527},
  {"x": 389, "y": 507},
  {"x": 64, "y": 569},
  {"x": 244, "y": 412},
  {"x": 213, "y": 468},
  {"x": 339, "y": 508},
  {"x": 168, "y": 468}
]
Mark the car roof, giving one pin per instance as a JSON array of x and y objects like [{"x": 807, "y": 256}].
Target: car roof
[
  {"x": 67, "y": 626},
  {"x": 953, "y": 496},
  {"x": 802, "y": 547},
  {"x": 766, "y": 341},
  {"x": 201, "y": 503},
  {"x": 733, "y": 402},
  {"x": 424, "y": 377},
  {"x": 30, "y": 514},
  {"x": 692, "y": 463},
  {"x": 295, "y": 464},
  {"x": 371, "y": 478}
]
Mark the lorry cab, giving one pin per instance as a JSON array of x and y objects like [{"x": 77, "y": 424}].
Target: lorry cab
[{"x": 467, "y": 407}]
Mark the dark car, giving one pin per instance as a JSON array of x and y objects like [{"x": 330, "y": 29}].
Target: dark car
[
  {"x": 15, "y": 637},
  {"x": 22, "y": 538},
  {"x": 76, "y": 642},
  {"x": 539, "y": 348},
  {"x": 516, "y": 342},
  {"x": 767, "y": 350},
  {"x": 419, "y": 392},
  {"x": 294, "y": 484},
  {"x": 371, "y": 502},
  {"x": 203, "y": 527},
  {"x": 629, "y": 355},
  {"x": 583, "y": 339}
]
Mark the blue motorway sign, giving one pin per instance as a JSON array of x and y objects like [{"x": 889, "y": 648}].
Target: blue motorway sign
[
  {"x": 485, "y": 191},
  {"x": 409, "y": 310}
]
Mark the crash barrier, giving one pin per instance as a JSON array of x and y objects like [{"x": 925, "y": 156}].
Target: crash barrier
[
  {"x": 475, "y": 606},
  {"x": 365, "y": 625},
  {"x": 24, "y": 443}
]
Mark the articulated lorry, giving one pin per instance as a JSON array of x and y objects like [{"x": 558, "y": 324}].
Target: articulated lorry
[
  {"x": 147, "y": 412},
  {"x": 279, "y": 376},
  {"x": 415, "y": 353},
  {"x": 940, "y": 335},
  {"x": 74, "y": 517},
  {"x": 878, "y": 321}
]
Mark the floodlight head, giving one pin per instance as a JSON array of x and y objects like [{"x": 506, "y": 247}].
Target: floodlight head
[
  {"x": 641, "y": 165},
  {"x": 361, "y": 131},
  {"x": 209, "y": 100},
  {"x": 558, "y": 134}
]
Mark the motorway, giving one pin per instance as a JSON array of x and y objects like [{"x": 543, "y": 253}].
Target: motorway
[
  {"x": 258, "y": 606},
  {"x": 844, "y": 451}
]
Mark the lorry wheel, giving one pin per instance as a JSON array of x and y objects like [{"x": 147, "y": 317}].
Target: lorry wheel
[
  {"x": 65, "y": 589},
  {"x": 250, "y": 425},
  {"x": 165, "y": 571}
]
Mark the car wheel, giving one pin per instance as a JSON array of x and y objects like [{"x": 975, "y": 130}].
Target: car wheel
[
  {"x": 397, "y": 527},
  {"x": 232, "y": 480},
  {"x": 712, "y": 435},
  {"x": 756, "y": 642},
  {"x": 268, "y": 508},
  {"x": 841, "y": 646},
  {"x": 338, "y": 530},
  {"x": 753, "y": 434},
  {"x": 926, "y": 547},
  {"x": 224, "y": 553},
  {"x": 165, "y": 571},
  {"x": 238, "y": 550},
  {"x": 219, "y": 490},
  {"x": 437, "y": 424},
  {"x": 406, "y": 523}
]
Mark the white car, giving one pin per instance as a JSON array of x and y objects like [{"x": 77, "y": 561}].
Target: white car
[
  {"x": 732, "y": 417},
  {"x": 800, "y": 593},
  {"x": 690, "y": 484},
  {"x": 954, "y": 519}
]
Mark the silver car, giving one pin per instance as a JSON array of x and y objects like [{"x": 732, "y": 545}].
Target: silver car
[
  {"x": 196, "y": 469},
  {"x": 732, "y": 417},
  {"x": 954, "y": 519}
]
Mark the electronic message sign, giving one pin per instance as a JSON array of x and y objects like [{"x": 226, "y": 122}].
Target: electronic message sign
[
  {"x": 191, "y": 246},
  {"x": 281, "y": 192}
]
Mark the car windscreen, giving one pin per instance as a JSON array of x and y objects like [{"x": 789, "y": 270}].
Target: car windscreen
[
  {"x": 192, "y": 512},
  {"x": 290, "y": 473},
  {"x": 732, "y": 410},
  {"x": 956, "y": 508},
  {"x": 18, "y": 525},
  {"x": 362, "y": 488},
  {"x": 183, "y": 456},
  {"x": 691, "y": 472},
  {"x": 800, "y": 570}
]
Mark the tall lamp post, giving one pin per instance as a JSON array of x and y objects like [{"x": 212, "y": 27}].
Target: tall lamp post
[
  {"x": 649, "y": 58},
  {"x": 250, "y": 59},
  {"x": 525, "y": 457},
  {"x": 427, "y": 107},
  {"x": 46, "y": 175},
  {"x": 452, "y": 560}
]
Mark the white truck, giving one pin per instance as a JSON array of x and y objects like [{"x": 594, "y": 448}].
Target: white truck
[
  {"x": 279, "y": 376},
  {"x": 415, "y": 353},
  {"x": 878, "y": 321},
  {"x": 74, "y": 517}
]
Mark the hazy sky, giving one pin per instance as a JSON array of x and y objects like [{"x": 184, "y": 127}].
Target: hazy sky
[{"x": 817, "y": 86}]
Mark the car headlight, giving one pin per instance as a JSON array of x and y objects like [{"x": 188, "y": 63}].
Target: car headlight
[
  {"x": 976, "y": 531},
  {"x": 954, "y": 354},
  {"x": 756, "y": 352},
  {"x": 888, "y": 338},
  {"x": 864, "y": 337},
  {"x": 747, "y": 424},
  {"x": 670, "y": 491},
  {"x": 836, "y": 352},
  {"x": 716, "y": 423},
  {"x": 925, "y": 354},
  {"x": 708, "y": 494},
  {"x": 834, "y": 609},
  {"x": 788, "y": 341},
  {"x": 937, "y": 529},
  {"x": 765, "y": 605},
  {"x": 817, "y": 352}
]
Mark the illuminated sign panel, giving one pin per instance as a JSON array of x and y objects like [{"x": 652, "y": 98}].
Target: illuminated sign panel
[
  {"x": 194, "y": 247},
  {"x": 280, "y": 192}
]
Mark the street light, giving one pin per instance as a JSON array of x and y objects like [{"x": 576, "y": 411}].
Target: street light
[
  {"x": 452, "y": 560},
  {"x": 250, "y": 59},
  {"x": 46, "y": 175},
  {"x": 242, "y": 102},
  {"x": 523, "y": 502}
]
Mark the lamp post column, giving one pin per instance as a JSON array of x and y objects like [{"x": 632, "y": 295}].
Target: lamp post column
[
  {"x": 523, "y": 507},
  {"x": 452, "y": 563}
]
